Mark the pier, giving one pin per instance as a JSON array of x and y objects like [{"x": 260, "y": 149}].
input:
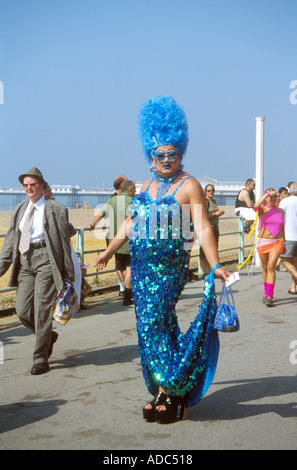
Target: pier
[
  {"x": 226, "y": 192},
  {"x": 67, "y": 194}
]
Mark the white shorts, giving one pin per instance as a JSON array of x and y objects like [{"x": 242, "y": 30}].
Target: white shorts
[{"x": 247, "y": 213}]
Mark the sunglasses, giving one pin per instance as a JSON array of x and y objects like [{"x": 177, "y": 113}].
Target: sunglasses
[
  {"x": 171, "y": 155},
  {"x": 29, "y": 184}
]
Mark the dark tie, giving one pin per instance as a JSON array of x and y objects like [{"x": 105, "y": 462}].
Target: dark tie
[{"x": 26, "y": 233}]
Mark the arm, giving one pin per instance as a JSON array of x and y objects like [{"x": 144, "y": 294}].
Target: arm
[
  {"x": 95, "y": 221},
  {"x": 6, "y": 256},
  {"x": 7, "y": 252},
  {"x": 263, "y": 198},
  {"x": 63, "y": 224},
  {"x": 202, "y": 226},
  {"x": 283, "y": 233},
  {"x": 100, "y": 216},
  {"x": 120, "y": 239},
  {"x": 217, "y": 213}
]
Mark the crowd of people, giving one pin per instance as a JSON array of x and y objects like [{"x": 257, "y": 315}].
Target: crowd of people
[{"x": 147, "y": 236}]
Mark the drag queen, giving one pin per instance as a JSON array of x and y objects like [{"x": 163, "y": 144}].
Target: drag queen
[{"x": 170, "y": 210}]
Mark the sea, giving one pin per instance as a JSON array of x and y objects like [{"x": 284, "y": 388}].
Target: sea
[{"x": 7, "y": 202}]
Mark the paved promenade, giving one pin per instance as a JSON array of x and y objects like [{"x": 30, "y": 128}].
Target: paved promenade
[{"x": 92, "y": 398}]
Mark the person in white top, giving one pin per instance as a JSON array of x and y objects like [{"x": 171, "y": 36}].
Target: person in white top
[{"x": 289, "y": 205}]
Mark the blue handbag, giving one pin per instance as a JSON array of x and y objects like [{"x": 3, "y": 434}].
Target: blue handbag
[{"x": 226, "y": 319}]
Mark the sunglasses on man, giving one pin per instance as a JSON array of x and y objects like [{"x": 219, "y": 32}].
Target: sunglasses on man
[{"x": 171, "y": 155}]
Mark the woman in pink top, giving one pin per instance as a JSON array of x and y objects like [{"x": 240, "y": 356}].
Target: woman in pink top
[{"x": 271, "y": 239}]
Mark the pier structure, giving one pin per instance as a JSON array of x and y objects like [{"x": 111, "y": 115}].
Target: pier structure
[{"x": 72, "y": 196}]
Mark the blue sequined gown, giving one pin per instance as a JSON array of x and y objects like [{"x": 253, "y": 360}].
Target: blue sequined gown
[{"x": 182, "y": 364}]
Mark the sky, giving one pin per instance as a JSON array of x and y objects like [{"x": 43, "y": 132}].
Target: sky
[{"x": 74, "y": 73}]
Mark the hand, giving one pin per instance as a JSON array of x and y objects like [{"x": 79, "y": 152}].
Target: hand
[
  {"x": 219, "y": 213},
  {"x": 222, "y": 274},
  {"x": 102, "y": 260},
  {"x": 272, "y": 193}
]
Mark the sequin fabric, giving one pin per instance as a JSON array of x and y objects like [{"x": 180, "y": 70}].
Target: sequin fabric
[
  {"x": 164, "y": 183},
  {"x": 183, "y": 364}
]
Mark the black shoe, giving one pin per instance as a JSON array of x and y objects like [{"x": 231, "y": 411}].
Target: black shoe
[
  {"x": 174, "y": 410},
  {"x": 40, "y": 368},
  {"x": 148, "y": 413},
  {"x": 54, "y": 339},
  {"x": 128, "y": 297}
]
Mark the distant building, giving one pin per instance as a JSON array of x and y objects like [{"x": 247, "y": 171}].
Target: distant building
[{"x": 225, "y": 191}]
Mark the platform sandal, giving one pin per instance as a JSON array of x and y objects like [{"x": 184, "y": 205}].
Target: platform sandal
[
  {"x": 159, "y": 399},
  {"x": 174, "y": 410}
]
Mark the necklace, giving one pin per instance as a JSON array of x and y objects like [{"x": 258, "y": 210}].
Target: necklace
[{"x": 164, "y": 183}]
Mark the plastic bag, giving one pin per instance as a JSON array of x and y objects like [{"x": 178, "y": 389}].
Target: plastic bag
[{"x": 66, "y": 304}]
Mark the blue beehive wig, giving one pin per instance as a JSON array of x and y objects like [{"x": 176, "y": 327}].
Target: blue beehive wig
[{"x": 162, "y": 122}]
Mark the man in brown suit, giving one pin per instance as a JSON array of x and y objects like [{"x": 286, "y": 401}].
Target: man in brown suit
[{"x": 38, "y": 269}]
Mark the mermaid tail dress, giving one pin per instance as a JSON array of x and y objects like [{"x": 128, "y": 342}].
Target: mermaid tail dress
[{"x": 183, "y": 364}]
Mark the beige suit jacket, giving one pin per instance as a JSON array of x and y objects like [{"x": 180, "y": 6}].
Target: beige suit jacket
[{"x": 57, "y": 238}]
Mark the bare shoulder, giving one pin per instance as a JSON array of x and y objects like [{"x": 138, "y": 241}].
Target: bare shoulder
[
  {"x": 145, "y": 185},
  {"x": 191, "y": 190},
  {"x": 192, "y": 185}
]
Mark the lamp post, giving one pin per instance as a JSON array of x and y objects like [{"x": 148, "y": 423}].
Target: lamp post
[{"x": 259, "y": 165}]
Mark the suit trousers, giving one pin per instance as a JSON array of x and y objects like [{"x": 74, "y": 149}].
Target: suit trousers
[{"x": 35, "y": 300}]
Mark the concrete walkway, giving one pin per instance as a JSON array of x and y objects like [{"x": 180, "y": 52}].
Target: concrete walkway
[{"x": 92, "y": 398}]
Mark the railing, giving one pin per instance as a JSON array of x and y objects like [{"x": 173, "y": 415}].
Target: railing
[
  {"x": 81, "y": 252},
  {"x": 80, "y": 231}
]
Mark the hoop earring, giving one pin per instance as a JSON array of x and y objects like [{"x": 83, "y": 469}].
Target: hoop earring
[{"x": 153, "y": 166}]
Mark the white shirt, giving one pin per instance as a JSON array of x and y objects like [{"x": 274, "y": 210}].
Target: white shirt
[
  {"x": 289, "y": 205},
  {"x": 37, "y": 228}
]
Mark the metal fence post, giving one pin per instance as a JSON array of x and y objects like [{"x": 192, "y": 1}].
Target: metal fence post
[
  {"x": 200, "y": 270},
  {"x": 240, "y": 240},
  {"x": 80, "y": 232}
]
